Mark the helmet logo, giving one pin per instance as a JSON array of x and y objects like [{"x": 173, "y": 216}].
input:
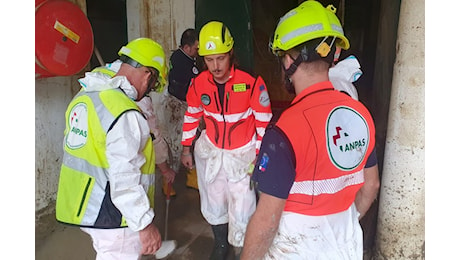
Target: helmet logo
[{"x": 210, "y": 46}]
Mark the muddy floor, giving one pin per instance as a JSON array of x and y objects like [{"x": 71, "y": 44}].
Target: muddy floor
[{"x": 186, "y": 226}]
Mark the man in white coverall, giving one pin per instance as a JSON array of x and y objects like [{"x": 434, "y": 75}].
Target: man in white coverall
[
  {"x": 236, "y": 109},
  {"x": 160, "y": 145},
  {"x": 317, "y": 169},
  {"x": 106, "y": 184}
]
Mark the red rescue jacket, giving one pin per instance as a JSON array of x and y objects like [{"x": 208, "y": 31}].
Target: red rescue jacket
[{"x": 245, "y": 111}]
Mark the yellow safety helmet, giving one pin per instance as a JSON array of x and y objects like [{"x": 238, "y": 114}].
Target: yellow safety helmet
[
  {"x": 148, "y": 53},
  {"x": 215, "y": 38},
  {"x": 310, "y": 20}
]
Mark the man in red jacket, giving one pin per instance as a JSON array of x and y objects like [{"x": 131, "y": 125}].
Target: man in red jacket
[{"x": 236, "y": 109}]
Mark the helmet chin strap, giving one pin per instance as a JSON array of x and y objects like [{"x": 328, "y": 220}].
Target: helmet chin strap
[
  {"x": 307, "y": 53},
  {"x": 289, "y": 72},
  {"x": 288, "y": 85}
]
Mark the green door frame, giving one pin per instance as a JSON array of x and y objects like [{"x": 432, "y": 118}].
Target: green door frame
[{"x": 236, "y": 15}]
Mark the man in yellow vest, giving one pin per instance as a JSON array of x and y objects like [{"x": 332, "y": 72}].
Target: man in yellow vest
[
  {"x": 106, "y": 184},
  {"x": 159, "y": 143}
]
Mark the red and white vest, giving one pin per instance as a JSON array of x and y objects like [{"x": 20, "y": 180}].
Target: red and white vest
[{"x": 332, "y": 136}]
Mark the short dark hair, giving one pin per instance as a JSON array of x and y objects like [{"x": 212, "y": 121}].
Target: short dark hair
[{"x": 188, "y": 37}]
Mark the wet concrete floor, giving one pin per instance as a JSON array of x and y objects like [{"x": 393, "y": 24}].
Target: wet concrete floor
[{"x": 186, "y": 225}]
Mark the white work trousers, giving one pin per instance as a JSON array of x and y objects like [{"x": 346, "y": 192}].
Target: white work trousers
[
  {"x": 329, "y": 237},
  {"x": 115, "y": 244},
  {"x": 224, "y": 186}
]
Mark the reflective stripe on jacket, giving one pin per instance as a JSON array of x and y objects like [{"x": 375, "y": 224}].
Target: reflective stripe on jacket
[
  {"x": 84, "y": 192},
  {"x": 245, "y": 111},
  {"x": 331, "y": 141}
]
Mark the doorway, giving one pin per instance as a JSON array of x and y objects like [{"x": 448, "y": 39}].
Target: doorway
[
  {"x": 109, "y": 23},
  {"x": 236, "y": 15}
]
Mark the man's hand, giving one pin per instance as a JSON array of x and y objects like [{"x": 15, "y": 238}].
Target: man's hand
[
  {"x": 150, "y": 239},
  {"x": 368, "y": 192},
  {"x": 187, "y": 157},
  {"x": 168, "y": 173},
  {"x": 262, "y": 227}
]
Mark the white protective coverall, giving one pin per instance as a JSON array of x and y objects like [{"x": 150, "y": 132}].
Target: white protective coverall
[
  {"x": 344, "y": 73},
  {"x": 226, "y": 176},
  {"x": 316, "y": 237},
  {"x": 124, "y": 172},
  {"x": 146, "y": 106}
]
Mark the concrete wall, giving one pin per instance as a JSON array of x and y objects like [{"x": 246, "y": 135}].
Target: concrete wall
[
  {"x": 401, "y": 220},
  {"x": 51, "y": 98},
  {"x": 165, "y": 21}
]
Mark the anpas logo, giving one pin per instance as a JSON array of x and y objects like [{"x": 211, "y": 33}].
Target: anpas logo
[
  {"x": 347, "y": 138},
  {"x": 78, "y": 124}
]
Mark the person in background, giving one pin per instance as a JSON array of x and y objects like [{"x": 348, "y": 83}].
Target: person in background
[
  {"x": 106, "y": 183},
  {"x": 183, "y": 67},
  {"x": 316, "y": 172},
  {"x": 236, "y": 109},
  {"x": 159, "y": 144}
]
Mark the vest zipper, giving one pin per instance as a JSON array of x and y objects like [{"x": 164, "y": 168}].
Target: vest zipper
[
  {"x": 216, "y": 125},
  {"x": 83, "y": 199}
]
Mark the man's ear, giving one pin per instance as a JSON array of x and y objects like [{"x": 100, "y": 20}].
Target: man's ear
[
  {"x": 287, "y": 59},
  {"x": 186, "y": 48},
  {"x": 146, "y": 76}
]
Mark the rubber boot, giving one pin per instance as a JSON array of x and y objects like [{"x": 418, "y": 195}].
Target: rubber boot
[
  {"x": 192, "y": 181},
  {"x": 219, "y": 252},
  {"x": 172, "y": 192}
]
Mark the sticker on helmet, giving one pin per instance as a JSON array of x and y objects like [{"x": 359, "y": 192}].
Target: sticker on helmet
[
  {"x": 210, "y": 45},
  {"x": 78, "y": 127},
  {"x": 264, "y": 99},
  {"x": 205, "y": 99},
  {"x": 347, "y": 138}
]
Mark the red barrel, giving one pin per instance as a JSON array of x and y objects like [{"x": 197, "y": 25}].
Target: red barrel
[{"x": 63, "y": 38}]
